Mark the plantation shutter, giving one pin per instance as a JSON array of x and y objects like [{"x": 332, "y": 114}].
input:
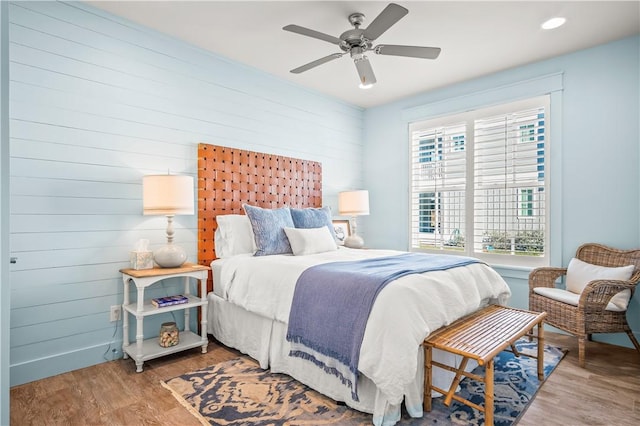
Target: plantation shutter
[
  {"x": 438, "y": 179},
  {"x": 479, "y": 183},
  {"x": 509, "y": 183}
]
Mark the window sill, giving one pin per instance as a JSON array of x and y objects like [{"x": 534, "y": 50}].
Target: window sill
[
  {"x": 511, "y": 271},
  {"x": 505, "y": 270}
]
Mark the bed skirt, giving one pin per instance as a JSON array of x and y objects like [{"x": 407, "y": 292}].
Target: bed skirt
[{"x": 265, "y": 340}]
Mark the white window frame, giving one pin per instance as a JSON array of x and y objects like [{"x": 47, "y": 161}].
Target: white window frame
[{"x": 469, "y": 117}]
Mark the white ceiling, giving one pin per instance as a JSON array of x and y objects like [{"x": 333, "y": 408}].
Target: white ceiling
[{"x": 476, "y": 37}]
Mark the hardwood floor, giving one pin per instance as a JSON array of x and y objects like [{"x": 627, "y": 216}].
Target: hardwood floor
[{"x": 606, "y": 392}]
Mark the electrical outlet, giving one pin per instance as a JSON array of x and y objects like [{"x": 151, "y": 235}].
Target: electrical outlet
[{"x": 115, "y": 313}]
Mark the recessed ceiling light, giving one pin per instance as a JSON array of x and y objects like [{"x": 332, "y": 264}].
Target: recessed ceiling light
[{"x": 553, "y": 23}]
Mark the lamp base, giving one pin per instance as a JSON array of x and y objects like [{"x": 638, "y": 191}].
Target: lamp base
[
  {"x": 354, "y": 241},
  {"x": 170, "y": 256}
]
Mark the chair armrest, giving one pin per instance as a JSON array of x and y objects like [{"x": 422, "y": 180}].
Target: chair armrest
[
  {"x": 598, "y": 293},
  {"x": 545, "y": 277}
]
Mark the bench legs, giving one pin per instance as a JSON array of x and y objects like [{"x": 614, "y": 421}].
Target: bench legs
[
  {"x": 488, "y": 393},
  {"x": 450, "y": 393},
  {"x": 488, "y": 379},
  {"x": 456, "y": 381},
  {"x": 540, "y": 351},
  {"x": 428, "y": 376}
]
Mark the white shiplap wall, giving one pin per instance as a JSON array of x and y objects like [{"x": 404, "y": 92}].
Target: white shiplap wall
[{"x": 97, "y": 102}]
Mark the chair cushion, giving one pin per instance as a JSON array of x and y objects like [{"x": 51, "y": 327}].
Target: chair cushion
[
  {"x": 580, "y": 273},
  {"x": 570, "y": 298}
]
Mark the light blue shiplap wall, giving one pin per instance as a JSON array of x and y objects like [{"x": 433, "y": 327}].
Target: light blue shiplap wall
[
  {"x": 595, "y": 156},
  {"x": 97, "y": 102}
]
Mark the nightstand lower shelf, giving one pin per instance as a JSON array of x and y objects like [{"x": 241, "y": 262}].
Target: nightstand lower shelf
[{"x": 151, "y": 348}]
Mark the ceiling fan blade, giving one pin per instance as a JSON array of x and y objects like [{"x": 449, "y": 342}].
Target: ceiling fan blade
[
  {"x": 389, "y": 16},
  {"x": 317, "y": 62},
  {"x": 410, "y": 51},
  {"x": 312, "y": 33},
  {"x": 365, "y": 72}
]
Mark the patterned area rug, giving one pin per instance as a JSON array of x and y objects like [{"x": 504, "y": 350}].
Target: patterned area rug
[{"x": 239, "y": 392}]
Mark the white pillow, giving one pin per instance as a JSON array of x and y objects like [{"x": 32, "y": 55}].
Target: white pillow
[
  {"x": 310, "y": 240},
  {"x": 233, "y": 236},
  {"x": 580, "y": 273}
]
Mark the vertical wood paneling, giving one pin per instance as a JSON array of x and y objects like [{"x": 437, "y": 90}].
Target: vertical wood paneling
[
  {"x": 5, "y": 293},
  {"x": 97, "y": 102}
]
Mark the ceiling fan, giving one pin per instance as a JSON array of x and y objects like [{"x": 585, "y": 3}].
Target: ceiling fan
[{"x": 357, "y": 41}]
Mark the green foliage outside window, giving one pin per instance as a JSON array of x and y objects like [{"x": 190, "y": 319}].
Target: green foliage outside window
[{"x": 524, "y": 242}]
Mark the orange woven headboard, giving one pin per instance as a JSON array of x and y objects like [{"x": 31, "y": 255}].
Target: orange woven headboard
[{"x": 229, "y": 177}]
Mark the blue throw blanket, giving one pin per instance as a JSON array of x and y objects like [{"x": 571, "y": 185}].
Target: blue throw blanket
[{"x": 332, "y": 302}]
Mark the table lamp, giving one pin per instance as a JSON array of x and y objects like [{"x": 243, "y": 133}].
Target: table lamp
[
  {"x": 353, "y": 203},
  {"x": 168, "y": 195}
]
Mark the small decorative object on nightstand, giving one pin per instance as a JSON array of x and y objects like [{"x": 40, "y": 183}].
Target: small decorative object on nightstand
[
  {"x": 170, "y": 339},
  {"x": 169, "y": 335},
  {"x": 353, "y": 203},
  {"x": 141, "y": 257}
]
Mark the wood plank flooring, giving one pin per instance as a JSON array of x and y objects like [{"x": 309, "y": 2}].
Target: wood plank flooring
[{"x": 606, "y": 392}]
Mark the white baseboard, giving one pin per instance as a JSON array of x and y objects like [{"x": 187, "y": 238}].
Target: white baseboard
[{"x": 41, "y": 368}]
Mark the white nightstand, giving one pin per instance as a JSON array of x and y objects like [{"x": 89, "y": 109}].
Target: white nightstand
[{"x": 149, "y": 348}]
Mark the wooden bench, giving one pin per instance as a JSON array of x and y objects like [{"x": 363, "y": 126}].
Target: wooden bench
[{"x": 480, "y": 336}]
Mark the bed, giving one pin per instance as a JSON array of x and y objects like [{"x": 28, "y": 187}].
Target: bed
[{"x": 250, "y": 302}]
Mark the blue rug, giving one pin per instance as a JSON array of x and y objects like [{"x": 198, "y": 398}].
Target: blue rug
[{"x": 238, "y": 392}]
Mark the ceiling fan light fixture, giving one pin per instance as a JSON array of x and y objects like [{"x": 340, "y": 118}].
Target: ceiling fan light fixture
[
  {"x": 553, "y": 23},
  {"x": 365, "y": 72}
]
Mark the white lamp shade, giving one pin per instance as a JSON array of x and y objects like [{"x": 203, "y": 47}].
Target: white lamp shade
[
  {"x": 353, "y": 203},
  {"x": 167, "y": 195}
]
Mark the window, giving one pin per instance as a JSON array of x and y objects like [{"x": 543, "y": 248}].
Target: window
[
  {"x": 526, "y": 203},
  {"x": 478, "y": 183},
  {"x": 439, "y": 179}
]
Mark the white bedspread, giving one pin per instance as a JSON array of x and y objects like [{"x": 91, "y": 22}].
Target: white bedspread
[{"x": 404, "y": 313}]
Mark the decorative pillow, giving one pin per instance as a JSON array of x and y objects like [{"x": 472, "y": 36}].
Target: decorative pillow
[
  {"x": 268, "y": 229},
  {"x": 313, "y": 218},
  {"x": 310, "y": 240},
  {"x": 233, "y": 235},
  {"x": 580, "y": 273}
]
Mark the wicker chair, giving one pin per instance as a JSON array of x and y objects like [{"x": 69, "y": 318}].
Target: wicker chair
[{"x": 590, "y": 315}]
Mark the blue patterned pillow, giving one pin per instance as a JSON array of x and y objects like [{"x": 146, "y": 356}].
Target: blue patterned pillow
[
  {"x": 313, "y": 218},
  {"x": 268, "y": 228}
]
